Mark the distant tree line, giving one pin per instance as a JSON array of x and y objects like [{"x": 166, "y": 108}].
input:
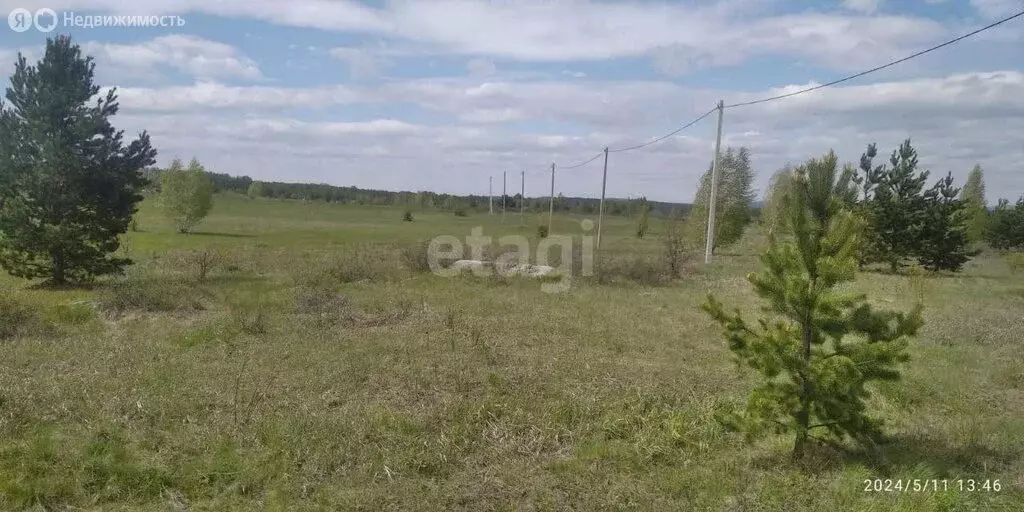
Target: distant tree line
[{"x": 223, "y": 183}]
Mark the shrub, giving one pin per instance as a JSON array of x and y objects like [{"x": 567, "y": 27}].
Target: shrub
[
  {"x": 363, "y": 262},
  {"x": 16, "y": 319},
  {"x": 638, "y": 268},
  {"x": 677, "y": 256},
  {"x": 73, "y": 314},
  {"x": 460, "y": 212},
  {"x": 642, "y": 224},
  {"x": 1015, "y": 261},
  {"x": 416, "y": 256},
  {"x": 542, "y": 231},
  {"x": 250, "y": 320},
  {"x": 201, "y": 261},
  {"x": 147, "y": 295},
  {"x": 407, "y": 216},
  {"x": 133, "y": 225},
  {"x": 323, "y": 304}
]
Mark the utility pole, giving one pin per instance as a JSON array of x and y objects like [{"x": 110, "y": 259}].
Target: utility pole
[
  {"x": 600, "y": 208},
  {"x": 490, "y": 194},
  {"x": 522, "y": 198},
  {"x": 714, "y": 188},
  {"x": 503, "y": 194},
  {"x": 551, "y": 207}
]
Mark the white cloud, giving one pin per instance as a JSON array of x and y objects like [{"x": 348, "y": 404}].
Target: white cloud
[
  {"x": 717, "y": 33},
  {"x": 210, "y": 95},
  {"x": 481, "y": 67},
  {"x": 955, "y": 121},
  {"x": 195, "y": 56},
  {"x": 362, "y": 62},
  {"x": 865, "y": 6},
  {"x": 997, "y": 8},
  {"x": 260, "y": 127},
  {"x": 492, "y": 115}
]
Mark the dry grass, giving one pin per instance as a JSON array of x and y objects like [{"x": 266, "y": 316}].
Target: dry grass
[{"x": 334, "y": 379}]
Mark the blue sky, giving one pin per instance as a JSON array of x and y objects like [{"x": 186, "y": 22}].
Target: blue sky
[{"x": 440, "y": 95}]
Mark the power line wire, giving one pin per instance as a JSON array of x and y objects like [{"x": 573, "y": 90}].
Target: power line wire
[
  {"x": 879, "y": 68},
  {"x": 667, "y": 135},
  {"x": 581, "y": 164}
]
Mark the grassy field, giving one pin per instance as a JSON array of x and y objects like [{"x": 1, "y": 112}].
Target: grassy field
[{"x": 310, "y": 371}]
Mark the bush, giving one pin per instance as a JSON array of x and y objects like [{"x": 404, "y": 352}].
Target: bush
[
  {"x": 460, "y": 212},
  {"x": 361, "y": 263},
  {"x": 542, "y": 231},
  {"x": 638, "y": 268},
  {"x": 642, "y": 225},
  {"x": 137, "y": 294},
  {"x": 17, "y": 319},
  {"x": 677, "y": 256},
  {"x": 201, "y": 261},
  {"x": 407, "y": 216},
  {"x": 416, "y": 256},
  {"x": 250, "y": 320},
  {"x": 1015, "y": 261}
]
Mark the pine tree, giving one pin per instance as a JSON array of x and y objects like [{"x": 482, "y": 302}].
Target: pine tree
[
  {"x": 824, "y": 343},
  {"x": 1006, "y": 226},
  {"x": 774, "y": 213},
  {"x": 943, "y": 234},
  {"x": 896, "y": 206},
  {"x": 186, "y": 195},
  {"x": 734, "y": 202},
  {"x": 68, "y": 184},
  {"x": 976, "y": 206}
]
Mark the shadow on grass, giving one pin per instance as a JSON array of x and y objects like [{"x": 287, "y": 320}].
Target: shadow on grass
[
  {"x": 898, "y": 454},
  {"x": 50, "y": 286}
]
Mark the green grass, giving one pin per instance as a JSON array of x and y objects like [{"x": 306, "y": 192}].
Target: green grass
[{"x": 300, "y": 376}]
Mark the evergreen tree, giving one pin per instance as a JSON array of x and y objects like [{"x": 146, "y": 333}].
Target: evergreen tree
[
  {"x": 773, "y": 213},
  {"x": 1006, "y": 226},
  {"x": 896, "y": 206},
  {"x": 735, "y": 199},
  {"x": 943, "y": 234},
  {"x": 823, "y": 343},
  {"x": 68, "y": 184},
  {"x": 186, "y": 195},
  {"x": 976, "y": 206}
]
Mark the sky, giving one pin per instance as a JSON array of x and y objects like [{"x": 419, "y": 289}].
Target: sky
[{"x": 444, "y": 95}]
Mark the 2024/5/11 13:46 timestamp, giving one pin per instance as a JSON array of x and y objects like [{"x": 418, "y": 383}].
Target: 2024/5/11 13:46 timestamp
[{"x": 931, "y": 485}]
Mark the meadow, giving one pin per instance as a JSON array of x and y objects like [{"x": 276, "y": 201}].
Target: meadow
[{"x": 283, "y": 357}]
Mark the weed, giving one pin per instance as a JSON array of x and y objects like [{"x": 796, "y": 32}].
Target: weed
[
  {"x": 202, "y": 261},
  {"x": 1014, "y": 261},
  {"x": 18, "y": 319},
  {"x": 148, "y": 295},
  {"x": 678, "y": 259},
  {"x": 416, "y": 256}
]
